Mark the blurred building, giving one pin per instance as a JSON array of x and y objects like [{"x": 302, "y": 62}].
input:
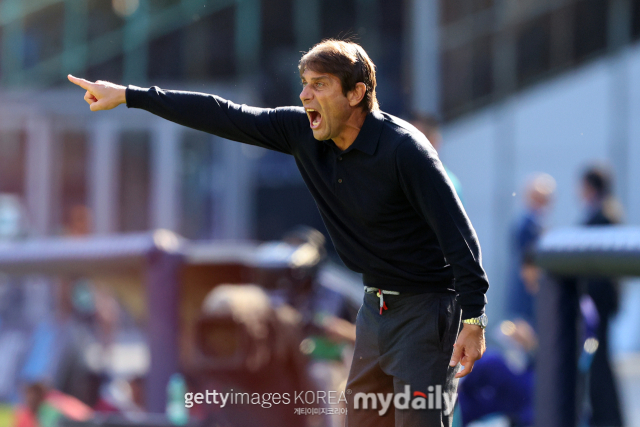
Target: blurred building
[
  {"x": 492, "y": 48},
  {"x": 133, "y": 171}
]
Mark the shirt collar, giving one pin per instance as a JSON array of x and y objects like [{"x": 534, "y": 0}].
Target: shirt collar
[{"x": 369, "y": 135}]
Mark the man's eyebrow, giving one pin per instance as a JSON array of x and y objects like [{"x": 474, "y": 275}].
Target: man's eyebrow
[{"x": 315, "y": 79}]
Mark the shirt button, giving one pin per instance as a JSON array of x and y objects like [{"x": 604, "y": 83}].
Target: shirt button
[
  {"x": 340, "y": 158},
  {"x": 340, "y": 181}
]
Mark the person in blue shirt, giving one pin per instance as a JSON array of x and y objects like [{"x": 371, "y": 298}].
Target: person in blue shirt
[{"x": 523, "y": 283}]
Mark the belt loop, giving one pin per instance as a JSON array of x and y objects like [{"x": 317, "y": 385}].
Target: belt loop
[
  {"x": 380, "y": 294},
  {"x": 383, "y": 305}
]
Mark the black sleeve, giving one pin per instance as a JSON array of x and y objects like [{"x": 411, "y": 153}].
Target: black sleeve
[
  {"x": 274, "y": 129},
  {"x": 428, "y": 188}
]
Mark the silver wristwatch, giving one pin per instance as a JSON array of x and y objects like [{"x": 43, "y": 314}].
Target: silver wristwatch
[{"x": 480, "y": 321}]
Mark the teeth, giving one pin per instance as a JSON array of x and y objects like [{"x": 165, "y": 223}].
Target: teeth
[
  {"x": 316, "y": 122},
  {"x": 310, "y": 109}
]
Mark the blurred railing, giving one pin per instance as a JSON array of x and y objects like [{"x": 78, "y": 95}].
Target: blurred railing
[{"x": 568, "y": 256}]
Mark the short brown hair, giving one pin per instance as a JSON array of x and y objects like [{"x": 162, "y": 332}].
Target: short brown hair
[{"x": 349, "y": 62}]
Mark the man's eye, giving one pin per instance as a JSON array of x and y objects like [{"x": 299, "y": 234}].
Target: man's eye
[{"x": 319, "y": 84}]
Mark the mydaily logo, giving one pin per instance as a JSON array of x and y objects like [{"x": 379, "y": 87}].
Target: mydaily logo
[{"x": 434, "y": 399}]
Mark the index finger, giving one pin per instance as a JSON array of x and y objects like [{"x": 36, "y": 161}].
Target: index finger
[
  {"x": 84, "y": 84},
  {"x": 468, "y": 367}
]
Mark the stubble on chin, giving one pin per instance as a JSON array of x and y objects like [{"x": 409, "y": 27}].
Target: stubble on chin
[{"x": 319, "y": 136}]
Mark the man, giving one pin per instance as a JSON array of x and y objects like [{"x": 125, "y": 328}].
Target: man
[
  {"x": 602, "y": 209},
  {"x": 390, "y": 210},
  {"x": 528, "y": 229}
]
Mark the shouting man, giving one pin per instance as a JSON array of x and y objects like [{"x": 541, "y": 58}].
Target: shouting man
[{"x": 391, "y": 211}]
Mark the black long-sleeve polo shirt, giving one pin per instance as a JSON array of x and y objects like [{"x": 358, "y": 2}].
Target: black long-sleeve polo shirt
[{"x": 389, "y": 207}]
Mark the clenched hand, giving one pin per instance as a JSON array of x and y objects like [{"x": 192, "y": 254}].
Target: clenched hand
[{"x": 101, "y": 95}]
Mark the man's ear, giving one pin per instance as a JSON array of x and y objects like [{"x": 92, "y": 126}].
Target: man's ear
[{"x": 357, "y": 94}]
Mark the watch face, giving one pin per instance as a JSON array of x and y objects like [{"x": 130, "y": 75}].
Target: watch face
[{"x": 484, "y": 320}]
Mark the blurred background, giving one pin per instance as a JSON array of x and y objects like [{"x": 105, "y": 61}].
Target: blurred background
[{"x": 523, "y": 99}]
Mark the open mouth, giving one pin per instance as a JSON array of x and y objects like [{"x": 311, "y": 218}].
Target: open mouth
[{"x": 315, "y": 118}]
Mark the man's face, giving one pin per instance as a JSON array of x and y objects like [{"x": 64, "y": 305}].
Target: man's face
[
  {"x": 588, "y": 193},
  {"x": 327, "y": 107}
]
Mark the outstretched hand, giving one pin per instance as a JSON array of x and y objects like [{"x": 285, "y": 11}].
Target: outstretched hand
[
  {"x": 101, "y": 95},
  {"x": 469, "y": 347}
]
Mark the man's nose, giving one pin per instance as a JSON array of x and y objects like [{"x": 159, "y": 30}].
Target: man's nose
[{"x": 305, "y": 95}]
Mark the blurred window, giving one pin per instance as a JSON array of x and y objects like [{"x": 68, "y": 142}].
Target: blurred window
[
  {"x": 277, "y": 25},
  {"x": 635, "y": 24},
  {"x": 12, "y": 162},
  {"x": 453, "y": 10},
  {"x": 197, "y": 186},
  {"x": 467, "y": 75},
  {"x": 562, "y": 21},
  {"x": 104, "y": 20},
  {"x": 482, "y": 84},
  {"x": 165, "y": 57},
  {"x": 456, "y": 78},
  {"x": 549, "y": 38},
  {"x": 102, "y": 17},
  {"x": 278, "y": 56},
  {"x": 135, "y": 167},
  {"x": 43, "y": 33},
  {"x": 220, "y": 44},
  {"x": 591, "y": 27},
  {"x": 73, "y": 178},
  {"x": 534, "y": 47},
  {"x": 338, "y": 18},
  {"x": 110, "y": 70},
  {"x": 390, "y": 62}
]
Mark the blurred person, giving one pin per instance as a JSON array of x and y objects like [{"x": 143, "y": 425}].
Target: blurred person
[
  {"x": 123, "y": 396},
  {"x": 13, "y": 217},
  {"x": 89, "y": 315},
  {"x": 429, "y": 125},
  {"x": 601, "y": 206},
  {"x": 247, "y": 345},
  {"x": 526, "y": 233},
  {"x": 502, "y": 384},
  {"x": 391, "y": 211},
  {"x": 27, "y": 415},
  {"x": 79, "y": 221},
  {"x": 44, "y": 407},
  {"x": 602, "y": 209},
  {"x": 93, "y": 325},
  {"x": 289, "y": 271},
  {"x": 298, "y": 260},
  {"x": 504, "y": 380}
]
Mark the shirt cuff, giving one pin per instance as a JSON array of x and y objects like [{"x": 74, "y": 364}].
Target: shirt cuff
[
  {"x": 136, "y": 97},
  {"x": 472, "y": 311}
]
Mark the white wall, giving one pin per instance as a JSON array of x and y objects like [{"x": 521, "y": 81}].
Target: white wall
[{"x": 590, "y": 114}]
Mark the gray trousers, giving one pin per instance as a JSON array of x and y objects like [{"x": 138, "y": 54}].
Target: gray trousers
[{"x": 409, "y": 345}]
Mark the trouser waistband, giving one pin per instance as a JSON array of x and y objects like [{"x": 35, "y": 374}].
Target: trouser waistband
[{"x": 374, "y": 290}]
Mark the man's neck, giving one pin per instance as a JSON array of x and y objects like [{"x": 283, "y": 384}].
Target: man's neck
[{"x": 351, "y": 129}]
